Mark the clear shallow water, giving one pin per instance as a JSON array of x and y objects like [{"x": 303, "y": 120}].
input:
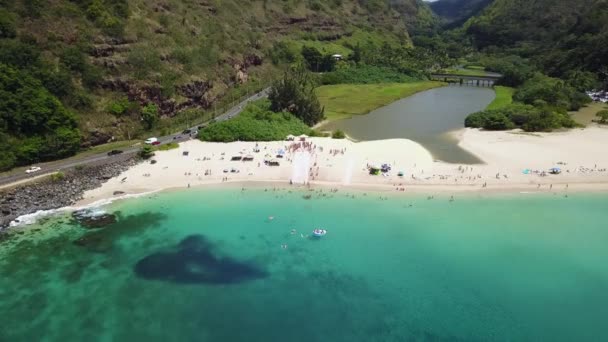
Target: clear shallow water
[
  {"x": 426, "y": 117},
  {"x": 500, "y": 268}
]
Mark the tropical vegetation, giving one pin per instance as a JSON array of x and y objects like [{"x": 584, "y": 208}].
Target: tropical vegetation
[{"x": 257, "y": 122}]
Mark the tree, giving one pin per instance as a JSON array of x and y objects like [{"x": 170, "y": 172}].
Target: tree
[
  {"x": 316, "y": 61},
  {"x": 356, "y": 55},
  {"x": 34, "y": 124},
  {"x": 149, "y": 115},
  {"x": 603, "y": 115},
  {"x": 7, "y": 25},
  {"x": 146, "y": 152},
  {"x": 295, "y": 94}
]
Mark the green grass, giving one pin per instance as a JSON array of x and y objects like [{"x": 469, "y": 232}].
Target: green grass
[
  {"x": 504, "y": 97},
  {"x": 167, "y": 147},
  {"x": 464, "y": 72},
  {"x": 345, "y": 100},
  {"x": 324, "y": 47}
]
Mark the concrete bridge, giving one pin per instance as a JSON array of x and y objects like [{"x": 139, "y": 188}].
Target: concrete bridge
[{"x": 479, "y": 81}]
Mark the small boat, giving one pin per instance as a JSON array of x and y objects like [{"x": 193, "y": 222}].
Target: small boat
[{"x": 319, "y": 232}]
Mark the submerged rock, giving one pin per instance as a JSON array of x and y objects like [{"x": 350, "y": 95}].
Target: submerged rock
[
  {"x": 193, "y": 261},
  {"x": 93, "y": 219},
  {"x": 102, "y": 240}
]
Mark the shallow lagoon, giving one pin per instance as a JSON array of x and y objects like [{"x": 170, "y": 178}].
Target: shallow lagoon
[
  {"x": 207, "y": 265},
  {"x": 428, "y": 118}
]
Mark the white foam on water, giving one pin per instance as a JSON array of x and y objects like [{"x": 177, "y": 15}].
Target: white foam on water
[{"x": 96, "y": 209}]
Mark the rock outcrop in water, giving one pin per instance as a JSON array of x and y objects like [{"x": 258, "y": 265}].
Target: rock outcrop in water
[
  {"x": 193, "y": 261},
  {"x": 88, "y": 218},
  {"x": 52, "y": 194},
  {"x": 102, "y": 240}
]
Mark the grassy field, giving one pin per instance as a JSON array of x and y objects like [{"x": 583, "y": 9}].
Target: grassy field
[
  {"x": 167, "y": 147},
  {"x": 504, "y": 96},
  {"x": 465, "y": 72},
  {"x": 345, "y": 100}
]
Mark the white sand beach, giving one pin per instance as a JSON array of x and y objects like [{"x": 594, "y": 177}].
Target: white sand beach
[{"x": 512, "y": 161}]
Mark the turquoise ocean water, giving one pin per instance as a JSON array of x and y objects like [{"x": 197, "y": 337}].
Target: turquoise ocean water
[{"x": 209, "y": 265}]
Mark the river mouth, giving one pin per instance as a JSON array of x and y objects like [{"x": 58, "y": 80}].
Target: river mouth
[{"x": 429, "y": 118}]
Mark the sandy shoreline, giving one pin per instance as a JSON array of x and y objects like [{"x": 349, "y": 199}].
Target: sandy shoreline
[{"x": 333, "y": 163}]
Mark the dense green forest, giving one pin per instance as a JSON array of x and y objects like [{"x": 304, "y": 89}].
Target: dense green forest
[
  {"x": 551, "y": 51},
  {"x": 558, "y": 36}
]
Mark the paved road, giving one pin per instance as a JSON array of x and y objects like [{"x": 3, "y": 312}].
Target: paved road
[{"x": 103, "y": 158}]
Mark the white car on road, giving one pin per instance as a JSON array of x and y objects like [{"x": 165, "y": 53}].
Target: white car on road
[
  {"x": 33, "y": 169},
  {"x": 151, "y": 141}
]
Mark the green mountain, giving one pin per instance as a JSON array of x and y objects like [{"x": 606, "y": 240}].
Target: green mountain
[
  {"x": 456, "y": 12},
  {"x": 559, "y": 35},
  {"x": 79, "y": 72}
]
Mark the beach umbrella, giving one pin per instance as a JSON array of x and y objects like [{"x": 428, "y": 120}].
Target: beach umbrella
[
  {"x": 555, "y": 170},
  {"x": 281, "y": 151}
]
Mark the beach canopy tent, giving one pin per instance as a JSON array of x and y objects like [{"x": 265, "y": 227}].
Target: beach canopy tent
[
  {"x": 236, "y": 158},
  {"x": 248, "y": 157},
  {"x": 401, "y": 174},
  {"x": 185, "y": 153},
  {"x": 555, "y": 170},
  {"x": 290, "y": 138},
  {"x": 303, "y": 137},
  {"x": 273, "y": 162},
  {"x": 281, "y": 152}
]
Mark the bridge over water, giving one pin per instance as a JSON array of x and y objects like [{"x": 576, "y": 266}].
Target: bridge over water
[{"x": 480, "y": 81}]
